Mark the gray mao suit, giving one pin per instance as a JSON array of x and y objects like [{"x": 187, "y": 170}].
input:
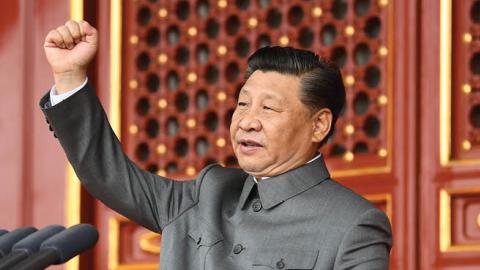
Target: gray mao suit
[{"x": 301, "y": 219}]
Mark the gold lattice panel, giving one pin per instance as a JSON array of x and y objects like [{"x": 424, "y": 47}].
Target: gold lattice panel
[{"x": 184, "y": 63}]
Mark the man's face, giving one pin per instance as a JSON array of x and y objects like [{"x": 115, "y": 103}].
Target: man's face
[{"x": 271, "y": 128}]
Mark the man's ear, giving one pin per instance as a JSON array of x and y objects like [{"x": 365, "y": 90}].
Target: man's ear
[{"x": 322, "y": 123}]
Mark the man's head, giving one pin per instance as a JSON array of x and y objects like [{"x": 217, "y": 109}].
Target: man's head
[{"x": 286, "y": 110}]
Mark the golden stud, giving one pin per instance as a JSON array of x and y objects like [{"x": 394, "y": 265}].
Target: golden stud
[
  {"x": 222, "y": 3},
  {"x": 466, "y": 88},
  {"x": 383, "y": 51},
  {"x": 221, "y": 96},
  {"x": 222, "y": 50},
  {"x": 162, "y": 58},
  {"x": 162, "y": 13},
  {"x": 192, "y": 31},
  {"x": 133, "y": 129},
  {"x": 467, "y": 38},
  {"x": 133, "y": 84},
  {"x": 162, "y": 103},
  {"x": 478, "y": 220},
  {"x": 383, "y": 3},
  {"x": 382, "y": 152},
  {"x": 192, "y": 77},
  {"x": 349, "y": 129},
  {"x": 252, "y": 22},
  {"x": 162, "y": 173},
  {"x": 466, "y": 145},
  {"x": 348, "y": 156},
  {"x": 283, "y": 40},
  {"x": 349, "y": 30},
  {"x": 161, "y": 149},
  {"x": 349, "y": 80},
  {"x": 190, "y": 171},
  {"x": 191, "y": 123},
  {"x": 133, "y": 39},
  {"x": 221, "y": 142},
  {"x": 382, "y": 99},
  {"x": 317, "y": 11}
]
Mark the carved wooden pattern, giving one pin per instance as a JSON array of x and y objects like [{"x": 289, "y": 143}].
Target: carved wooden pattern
[
  {"x": 184, "y": 64},
  {"x": 465, "y": 213},
  {"x": 466, "y": 80},
  {"x": 460, "y": 220}
]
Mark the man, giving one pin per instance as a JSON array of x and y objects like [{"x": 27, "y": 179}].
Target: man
[{"x": 281, "y": 210}]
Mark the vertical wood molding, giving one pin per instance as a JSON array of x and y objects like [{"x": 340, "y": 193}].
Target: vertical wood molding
[
  {"x": 72, "y": 193},
  {"x": 115, "y": 64}
]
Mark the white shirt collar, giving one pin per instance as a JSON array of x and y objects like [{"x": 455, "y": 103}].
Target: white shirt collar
[{"x": 311, "y": 160}]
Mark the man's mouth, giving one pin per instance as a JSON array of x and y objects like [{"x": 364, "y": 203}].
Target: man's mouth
[
  {"x": 250, "y": 143},
  {"x": 249, "y": 147}
]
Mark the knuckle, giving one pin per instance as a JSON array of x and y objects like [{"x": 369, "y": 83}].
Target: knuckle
[
  {"x": 61, "y": 28},
  {"x": 71, "y": 24},
  {"x": 56, "y": 34}
]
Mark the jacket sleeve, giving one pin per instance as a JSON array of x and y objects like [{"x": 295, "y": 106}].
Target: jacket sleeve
[
  {"x": 96, "y": 155},
  {"x": 366, "y": 246}
]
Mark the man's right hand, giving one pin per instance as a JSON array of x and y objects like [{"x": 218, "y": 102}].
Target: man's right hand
[{"x": 69, "y": 49}]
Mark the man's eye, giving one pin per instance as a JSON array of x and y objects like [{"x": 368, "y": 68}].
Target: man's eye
[
  {"x": 241, "y": 104},
  {"x": 267, "y": 108}
]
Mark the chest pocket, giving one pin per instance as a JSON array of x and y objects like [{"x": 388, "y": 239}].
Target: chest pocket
[
  {"x": 284, "y": 258},
  {"x": 202, "y": 239},
  {"x": 201, "y": 236}
]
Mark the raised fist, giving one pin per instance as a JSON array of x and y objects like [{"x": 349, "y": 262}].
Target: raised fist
[{"x": 69, "y": 49}]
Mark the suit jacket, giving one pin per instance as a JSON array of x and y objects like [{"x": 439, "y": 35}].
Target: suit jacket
[{"x": 301, "y": 219}]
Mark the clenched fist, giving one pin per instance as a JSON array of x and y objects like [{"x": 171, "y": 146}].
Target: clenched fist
[{"x": 69, "y": 49}]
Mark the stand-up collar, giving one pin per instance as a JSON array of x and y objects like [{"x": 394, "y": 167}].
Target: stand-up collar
[{"x": 280, "y": 188}]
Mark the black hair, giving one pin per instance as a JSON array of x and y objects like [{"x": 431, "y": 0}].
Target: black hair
[{"x": 321, "y": 80}]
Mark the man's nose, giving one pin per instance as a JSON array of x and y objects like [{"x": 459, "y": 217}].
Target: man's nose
[{"x": 250, "y": 123}]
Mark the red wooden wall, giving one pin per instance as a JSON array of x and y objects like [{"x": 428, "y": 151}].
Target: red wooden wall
[
  {"x": 449, "y": 175},
  {"x": 32, "y": 166}
]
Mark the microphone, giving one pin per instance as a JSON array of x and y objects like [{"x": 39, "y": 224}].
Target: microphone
[
  {"x": 9, "y": 239},
  {"x": 61, "y": 247},
  {"x": 2, "y": 232},
  {"x": 28, "y": 245}
]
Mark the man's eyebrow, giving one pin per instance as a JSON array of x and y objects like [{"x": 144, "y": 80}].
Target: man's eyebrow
[
  {"x": 243, "y": 91},
  {"x": 273, "y": 96}
]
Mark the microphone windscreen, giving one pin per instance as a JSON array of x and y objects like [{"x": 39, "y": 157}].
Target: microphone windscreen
[
  {"x": 31, "y": 243},
  {"x": 71, "y": 241},
  {"x": 9, "y": 239},
  {"x": 2, "y": 232}
]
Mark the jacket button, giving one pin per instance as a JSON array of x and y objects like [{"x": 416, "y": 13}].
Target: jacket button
[
  {"x": 256, "y": 206},
  {"x": 237, "y": 249},
  {"x": 280, "y": 264}
]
